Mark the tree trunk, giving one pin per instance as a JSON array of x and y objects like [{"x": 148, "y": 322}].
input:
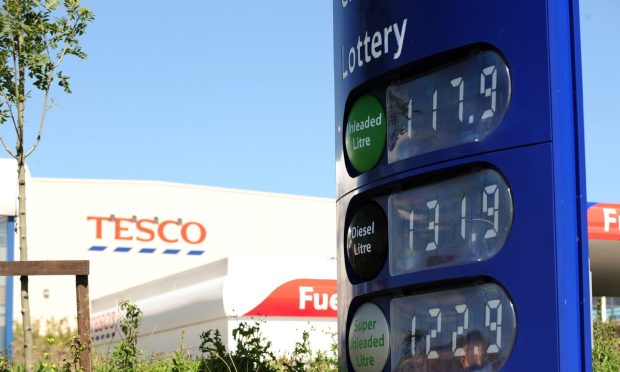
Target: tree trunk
[
  {"x": 23, "y": 229},
  {"x": 23, "y": 256}
]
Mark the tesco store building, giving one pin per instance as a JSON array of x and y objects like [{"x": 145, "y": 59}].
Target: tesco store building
[{"x": 195, "y": 258}]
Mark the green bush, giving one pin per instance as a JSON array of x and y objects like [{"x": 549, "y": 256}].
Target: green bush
[
  {"x": 125, "y": 354},
  {"x": 252, "y": 353},
  {"x": 303, "y": 359},
  {"x": 54, "y": 349},
  {"x": 605, "y": 353},
  {"x": 60, "y": 351}
]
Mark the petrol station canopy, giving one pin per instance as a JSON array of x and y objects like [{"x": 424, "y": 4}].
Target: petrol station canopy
[{"x": 604, "y": 238}]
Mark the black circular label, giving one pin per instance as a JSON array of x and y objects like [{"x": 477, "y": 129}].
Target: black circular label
[{"x": 367, "y": 241}]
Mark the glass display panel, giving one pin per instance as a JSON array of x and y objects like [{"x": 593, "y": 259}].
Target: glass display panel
[
  {"x": 459, "y": 103},
  {"x": 460, "y": 220},
  {"x": 465, "y": 329}
]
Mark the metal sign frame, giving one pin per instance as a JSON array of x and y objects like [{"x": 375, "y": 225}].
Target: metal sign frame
[{"x": 538, "y": 148}]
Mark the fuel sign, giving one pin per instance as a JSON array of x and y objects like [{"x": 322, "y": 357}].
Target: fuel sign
[{"x": 460, "y": 186}]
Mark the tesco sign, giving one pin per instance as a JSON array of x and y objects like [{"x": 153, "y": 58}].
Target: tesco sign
[
  {"x": 103, "y": 322},
  {"x": 148, "y": 229}
]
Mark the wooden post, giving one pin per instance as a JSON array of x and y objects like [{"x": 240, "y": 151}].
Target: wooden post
[
  {"x": 78, "y": 268},
  {"x": 83, "y": 319}
]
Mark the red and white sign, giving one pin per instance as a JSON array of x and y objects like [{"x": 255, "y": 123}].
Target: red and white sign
[
  {"x": 300, "y": 298},
  {"x": 102, "y": 325},
  {"x": 604, "y": 221}
]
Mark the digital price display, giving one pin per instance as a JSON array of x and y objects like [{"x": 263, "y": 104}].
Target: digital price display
[
  {"x": 459, "y": 103},
  {"x": 461, "y": 220},
  {"x": 459, "y": 157},
  {"x": 469, "y": 328}
]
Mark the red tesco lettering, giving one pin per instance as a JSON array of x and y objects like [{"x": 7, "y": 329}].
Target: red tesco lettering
[
  {"x": 103, "y": 322},
  {"x": 147, "y": 230}
]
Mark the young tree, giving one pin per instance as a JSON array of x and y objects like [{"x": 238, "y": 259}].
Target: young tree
[{"x": 35, "y": 37}]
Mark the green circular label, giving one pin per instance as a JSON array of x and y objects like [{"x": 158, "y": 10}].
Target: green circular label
[
  {"x": 365, "y": 133},
  {"x": 369, "y": 339}
]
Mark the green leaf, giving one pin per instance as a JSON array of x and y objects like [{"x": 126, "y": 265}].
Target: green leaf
[{"x": 52, "y": 4}]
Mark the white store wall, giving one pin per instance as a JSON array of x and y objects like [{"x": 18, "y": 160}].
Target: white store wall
[{"x": 237, "y": 223}]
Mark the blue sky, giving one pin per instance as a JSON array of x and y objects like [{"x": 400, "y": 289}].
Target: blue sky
[
  {"x": 600, "y": 30},
  {"x": 204, "y": 92},
  {"x": 240, "y": 95}
]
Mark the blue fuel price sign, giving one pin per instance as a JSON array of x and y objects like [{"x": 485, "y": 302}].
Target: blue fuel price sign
[
  {"x": 459, "y": 157},
  {"x": 461, "y": 220},
  {"x": 459, "y": 103}
]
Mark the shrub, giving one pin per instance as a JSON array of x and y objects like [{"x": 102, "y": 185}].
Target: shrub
[
  {"x": 605, "y": 353},
  {"x": 59, "y": 350},
  {"x": 51, "y": 348},
  {"x": 252, "y": 353},
  {"x": 303, "y": 359},
  {"x": 125, "y": 354}
]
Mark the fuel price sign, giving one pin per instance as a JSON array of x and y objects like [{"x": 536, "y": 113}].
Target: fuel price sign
[
  {"x": 461, "y": 241},
  {"x": 461, "y": 220},
  {"x": 458, "y": 329},
  {"x": 458, "y": 103}
]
